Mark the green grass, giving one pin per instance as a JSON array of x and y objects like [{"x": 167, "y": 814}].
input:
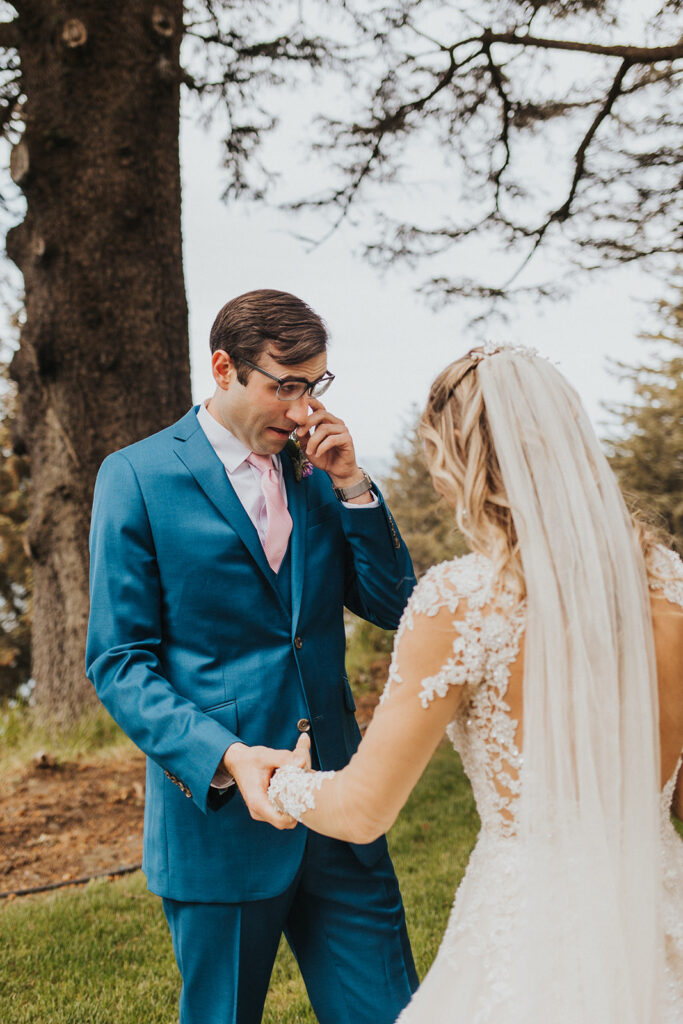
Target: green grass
[
  {"x": 102, "y": 954},
  {"x": 22, "y": 736},
  {"x": 368, "y": 653}
]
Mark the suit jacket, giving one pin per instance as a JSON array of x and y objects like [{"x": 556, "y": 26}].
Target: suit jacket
[{"x": 192, "y": 646}]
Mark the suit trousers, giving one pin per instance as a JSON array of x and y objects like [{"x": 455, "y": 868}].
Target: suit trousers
[{"x": 344, "y": 922}]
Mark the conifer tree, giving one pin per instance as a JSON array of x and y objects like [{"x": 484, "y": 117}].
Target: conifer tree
[
  {"x": 647, "y": 454},
  {"x": 424, "y": 519}
]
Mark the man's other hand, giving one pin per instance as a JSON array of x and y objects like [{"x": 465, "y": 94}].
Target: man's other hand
[{"x": 301, "y": 755}]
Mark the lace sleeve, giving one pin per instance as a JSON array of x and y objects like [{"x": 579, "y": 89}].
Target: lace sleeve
[
  {"x": 667, "y": 574},
  {"x": 292, "y": 790},
  {"x": 460, "y": 588}
]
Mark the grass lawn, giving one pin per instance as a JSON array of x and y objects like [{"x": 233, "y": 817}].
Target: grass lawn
[{"x": 102, "y": 954}]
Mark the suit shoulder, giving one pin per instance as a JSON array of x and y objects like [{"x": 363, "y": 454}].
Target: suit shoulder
[{"x": 141, "y": 454}]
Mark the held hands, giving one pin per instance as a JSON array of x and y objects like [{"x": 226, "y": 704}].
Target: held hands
[
  {"x": 252, "y": 768},
  {"x": 328, "y": 445}
]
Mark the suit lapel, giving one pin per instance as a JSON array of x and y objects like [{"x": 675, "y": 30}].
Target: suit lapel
[
  {"x": 296, "y": 502},
  {"x": 195, "y": 452}
]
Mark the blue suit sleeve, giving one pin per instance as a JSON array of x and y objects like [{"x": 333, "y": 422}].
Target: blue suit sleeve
[
  {"x": 380, "y": 575},
  {"x": 123, "y": 652}
]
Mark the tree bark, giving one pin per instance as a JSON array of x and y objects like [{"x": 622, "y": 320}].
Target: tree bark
[{"x": 103, "y": 359}]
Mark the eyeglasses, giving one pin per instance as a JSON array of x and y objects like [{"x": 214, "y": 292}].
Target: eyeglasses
[{"x": 291, "y": 388}]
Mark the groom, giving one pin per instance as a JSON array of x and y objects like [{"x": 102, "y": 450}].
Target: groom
[{"x": 222, "y": 556}]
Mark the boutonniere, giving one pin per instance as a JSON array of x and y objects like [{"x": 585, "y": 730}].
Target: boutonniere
[{"x": 302, "y": 467}]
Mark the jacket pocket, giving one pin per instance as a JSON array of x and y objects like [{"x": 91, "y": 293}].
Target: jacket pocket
[
  {"x": 322, "y": 513},
  {"x": 225, "y": 714}
]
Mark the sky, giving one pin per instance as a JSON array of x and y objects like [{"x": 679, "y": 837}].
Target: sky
[{"x": 386, "y": 344}]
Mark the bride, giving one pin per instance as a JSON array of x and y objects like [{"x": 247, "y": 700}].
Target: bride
[{"x": 552, "y": 657}]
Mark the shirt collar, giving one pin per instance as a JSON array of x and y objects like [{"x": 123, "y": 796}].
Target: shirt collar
[{"x": 227, "y": 447}]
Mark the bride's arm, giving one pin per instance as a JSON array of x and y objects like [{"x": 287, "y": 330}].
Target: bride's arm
[{"x": 362, "y": 801}]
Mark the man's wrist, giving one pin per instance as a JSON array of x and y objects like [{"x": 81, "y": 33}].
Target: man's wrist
[
  {"x": 232, "y": 756},
  {"x": 349, "y": 479},
  {"x": 355, "y": 488}
]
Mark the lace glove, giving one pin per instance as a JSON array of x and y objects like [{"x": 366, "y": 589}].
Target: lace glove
[{"x": 291, "y": 789}]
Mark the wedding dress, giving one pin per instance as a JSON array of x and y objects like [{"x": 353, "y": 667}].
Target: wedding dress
[
  {"x": 470, "y": 979},
  {"x": 473, "y": 979},
  {"x": 570, "y": 910}
]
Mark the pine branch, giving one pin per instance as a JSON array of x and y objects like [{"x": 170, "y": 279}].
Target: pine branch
[
  {"x": 633, "y": 54},
  {"x": 563, "y": 211},
  {"x": 506, "y": 109}
]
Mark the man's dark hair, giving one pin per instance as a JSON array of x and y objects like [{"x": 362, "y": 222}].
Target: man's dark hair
[{"x": 246, "y": 326}]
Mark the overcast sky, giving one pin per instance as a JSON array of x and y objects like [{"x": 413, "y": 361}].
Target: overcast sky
[{"x": 387, "y": 345}]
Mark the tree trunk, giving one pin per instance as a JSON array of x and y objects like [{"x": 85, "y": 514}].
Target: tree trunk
[{"x": 103, "y": 359}]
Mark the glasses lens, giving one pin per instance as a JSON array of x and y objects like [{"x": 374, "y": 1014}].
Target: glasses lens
[
  {"x": 321, "y": 387},
  {"x": 289, "y": 392}
]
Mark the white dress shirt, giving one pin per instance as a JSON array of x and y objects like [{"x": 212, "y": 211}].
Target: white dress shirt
[
  {"x": 246, "y": 481},
  {"x": 245, "y": 478}
]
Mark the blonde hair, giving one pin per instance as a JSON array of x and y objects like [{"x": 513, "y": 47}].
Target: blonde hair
[
  {"x": 462, "y": 460},
  {"x": 464, "y": 467}
]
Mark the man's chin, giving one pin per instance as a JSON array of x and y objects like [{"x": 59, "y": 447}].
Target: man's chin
[{"x": 275, "y": 440}]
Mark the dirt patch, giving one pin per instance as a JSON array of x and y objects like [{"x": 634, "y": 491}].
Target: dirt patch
[
  {"x": 65, "y": 821},
  {"x": 60, "y": 822}
]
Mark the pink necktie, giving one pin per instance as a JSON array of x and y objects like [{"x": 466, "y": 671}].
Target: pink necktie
[{"x": 279, "y": 520}]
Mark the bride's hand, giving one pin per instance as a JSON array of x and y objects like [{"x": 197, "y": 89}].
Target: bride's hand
[{"x": 300, "y": 757}]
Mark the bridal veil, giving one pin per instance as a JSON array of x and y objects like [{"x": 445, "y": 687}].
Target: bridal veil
[{"x": 590, "y": 938}]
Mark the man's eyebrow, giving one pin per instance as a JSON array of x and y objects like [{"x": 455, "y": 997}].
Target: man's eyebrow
[{"x": 293, "y": 376}]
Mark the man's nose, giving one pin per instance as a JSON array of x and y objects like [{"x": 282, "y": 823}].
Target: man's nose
[{"x": 298, "y": 410}]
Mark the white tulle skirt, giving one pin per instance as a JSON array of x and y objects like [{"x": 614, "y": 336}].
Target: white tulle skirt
[{"x": 476, "y": 976}]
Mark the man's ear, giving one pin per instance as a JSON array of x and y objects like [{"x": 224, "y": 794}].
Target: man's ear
[{"x": 223, "y": 369}]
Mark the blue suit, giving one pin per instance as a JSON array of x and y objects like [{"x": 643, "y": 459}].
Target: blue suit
[{"x": 195, "y": 643}]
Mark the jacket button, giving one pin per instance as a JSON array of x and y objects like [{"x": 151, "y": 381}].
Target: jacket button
[
  {"x": 303, "y": 725},
  {"x": 298, "y": 643}
]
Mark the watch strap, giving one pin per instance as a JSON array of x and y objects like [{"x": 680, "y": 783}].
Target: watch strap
[{"x": 346, "y": 493}]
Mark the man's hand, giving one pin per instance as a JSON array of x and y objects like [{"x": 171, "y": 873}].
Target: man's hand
[
  {"x": 328, "y": 446},
  {"x": 301, "y": 755},
  {"x": 251, "y": 768}
]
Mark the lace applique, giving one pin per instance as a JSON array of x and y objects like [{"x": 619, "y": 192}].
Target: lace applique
[
  {"x": 672, "y": 878},
  {"x": 486, "y": 643},
  {"x": 483, "y": 732},
  {"x": 442, "y": 586},
  {"x": 669, "y": 568},
  {"x": 670, "y": 574},
  {"x": 292, "y": 790}
]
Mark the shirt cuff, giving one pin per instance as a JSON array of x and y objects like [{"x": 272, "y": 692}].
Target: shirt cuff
[
  {"x": 368, "y": 504},
  {"x": 222, "y": 778}
]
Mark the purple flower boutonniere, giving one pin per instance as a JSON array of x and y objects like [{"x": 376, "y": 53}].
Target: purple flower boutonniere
[{"x": 302, "y": 467}]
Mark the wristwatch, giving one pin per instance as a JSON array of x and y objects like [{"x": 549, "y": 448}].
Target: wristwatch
[{"x": 346, "y": 493}]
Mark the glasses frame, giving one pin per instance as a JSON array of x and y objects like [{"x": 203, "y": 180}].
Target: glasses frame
[{"x": 308, "y": 385}]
